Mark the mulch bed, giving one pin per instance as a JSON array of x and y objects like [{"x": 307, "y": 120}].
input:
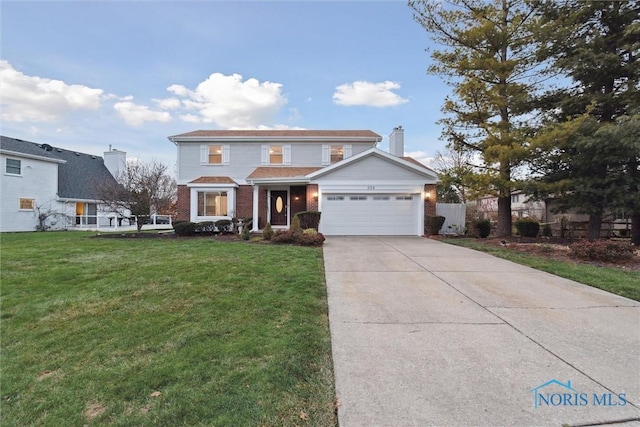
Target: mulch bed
[{"x": 553, "y": 248}]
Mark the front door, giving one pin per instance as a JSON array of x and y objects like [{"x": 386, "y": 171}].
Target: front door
[{"x": 278, "y": 208}]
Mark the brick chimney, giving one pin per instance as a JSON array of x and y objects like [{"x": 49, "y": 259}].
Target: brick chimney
[
  {"x": 115, "y": 161},
  {"x": 396, "y": 142}
]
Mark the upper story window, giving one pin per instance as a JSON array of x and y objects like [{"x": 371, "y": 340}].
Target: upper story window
[
  {"x": 515, "y": 198},
  {"x": 337, "y": 153},
  {"x": 13, "y": 167},
  {"x": 334, "y": 153},
  {"x": 276, "y": 154},
  {"x": 214, "y": 154}
]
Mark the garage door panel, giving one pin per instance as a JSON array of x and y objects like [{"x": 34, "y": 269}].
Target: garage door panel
[{"x": 360, "y": 214}]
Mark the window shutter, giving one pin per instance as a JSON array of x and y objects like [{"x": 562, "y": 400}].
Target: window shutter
[
  {"x": 286, "y": 149},
  {"x": 265, "y": 154},
  {"x": 204, "y": 154},
  {"x": 347, "y": 151},
  {"x": 326, "y": 153},
  {"x": 226, "y": 149}
]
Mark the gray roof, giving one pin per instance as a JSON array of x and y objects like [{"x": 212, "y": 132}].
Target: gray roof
[{"x": 77, "y": 177}]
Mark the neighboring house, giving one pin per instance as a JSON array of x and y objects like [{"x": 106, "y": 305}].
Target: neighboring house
[
  {"x": 521, "y": 207},
  {"x": 39, "y": 178},
  {"x": 270, "y": 175}
]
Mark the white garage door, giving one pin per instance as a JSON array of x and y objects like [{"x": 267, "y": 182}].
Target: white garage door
[{"x": 369, "y": 214}]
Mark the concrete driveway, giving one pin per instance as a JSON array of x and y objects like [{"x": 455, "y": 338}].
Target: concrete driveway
[{"x": 426, "y": 333}]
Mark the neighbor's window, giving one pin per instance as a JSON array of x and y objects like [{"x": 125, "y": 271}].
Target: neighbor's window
[
  {"x": 13, "y": 167},
  {"x": 215, "y": 154},
  {"x": 27, "y": 204},
  {"x": 212, "y": 203},
  {"x": 337, "y": 153},
  {"x": 275, "y": 154},
  {"x": 515, "y": 198}
]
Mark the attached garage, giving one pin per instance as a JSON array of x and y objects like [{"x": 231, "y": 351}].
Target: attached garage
[
  {"x": 372, "y": 194},
  {"x": 371, "y": 214}
]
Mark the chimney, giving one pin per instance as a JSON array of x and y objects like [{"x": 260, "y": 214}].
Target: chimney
[
  {"x": 115, "y": 161},
  {"x": 396, "y": 142}
]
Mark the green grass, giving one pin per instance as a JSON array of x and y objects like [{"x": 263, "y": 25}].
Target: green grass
[
  {"x": 614, "y": 280},
  {"x": 162, "y": 332}
]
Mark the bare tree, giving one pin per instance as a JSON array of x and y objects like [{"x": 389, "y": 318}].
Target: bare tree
[{"x": 140, "y": 190}]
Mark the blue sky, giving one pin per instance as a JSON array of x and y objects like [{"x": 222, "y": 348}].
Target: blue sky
[{"x": 83, "y": 75}]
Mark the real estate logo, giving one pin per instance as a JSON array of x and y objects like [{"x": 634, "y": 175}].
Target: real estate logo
[{"x": 554, "y": 393}]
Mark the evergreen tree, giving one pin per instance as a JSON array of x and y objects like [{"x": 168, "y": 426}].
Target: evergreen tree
[
  {"x": 586, "y": 157},
  {"x": 487, "y": 55}
]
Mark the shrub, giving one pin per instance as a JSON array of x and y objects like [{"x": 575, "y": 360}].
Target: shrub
[
  {"x": 482, "y": 227},
  {"x": 205, "y": 227},
  {"x": 184, "y": 228},
  {"x": 246, "y": 233},
  {"x": 546, "y": 230},
  {"x": 308, "y": 219},
  {"x": 295, "y": 225},
  {"x": 309, "y": 239},
  {"x": 224, "y": 226},
  {"x": 527, "y": 227},
  {"x": 298, "y": 238},
  {"x": 601, "y": 250},
  {"x": 283, "y": 236},
  {"x": 433, "y": 224},
  {"x": 267, "y": 232},
  {"x": 309, "y": 231}
]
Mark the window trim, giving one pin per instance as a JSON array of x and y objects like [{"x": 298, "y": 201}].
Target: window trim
[{"x": 6, "y": 167}]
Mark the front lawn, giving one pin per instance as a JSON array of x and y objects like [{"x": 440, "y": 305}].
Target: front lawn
[{"x": 162, "y": 331}]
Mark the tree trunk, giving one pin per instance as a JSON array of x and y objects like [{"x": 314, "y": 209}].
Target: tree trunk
[
  {"x": 595, "y": 223},
  {"x": 635, "y": 229},
  {"x": 504, "y": 216}
]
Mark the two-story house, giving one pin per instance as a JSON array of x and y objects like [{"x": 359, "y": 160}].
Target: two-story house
[
  {"x": 38, "y": 178},
  {"x": 270, "y": 175}
]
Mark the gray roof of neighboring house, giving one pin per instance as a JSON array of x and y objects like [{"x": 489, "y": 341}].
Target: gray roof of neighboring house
[{"x": 77, "y": 177}]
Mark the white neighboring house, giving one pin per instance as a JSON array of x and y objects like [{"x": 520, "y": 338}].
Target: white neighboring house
[
  {"x": 38, "y": 178},
  {"x": 270, "y": 175}
]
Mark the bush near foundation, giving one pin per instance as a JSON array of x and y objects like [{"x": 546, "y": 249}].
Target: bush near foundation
[
  {"x": 308, "y": 219},
  {"x": 184, "y": 228},
  {"x": 433, "y": 224},
  {"x": 602, "y": 250}
]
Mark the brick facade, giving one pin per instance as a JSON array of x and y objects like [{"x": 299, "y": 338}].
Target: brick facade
[
  {"x": 312, "y": 197},
  {"x": 430, "y": 199},
  {"x": 244, "y": 201},
  {"x": 183, "y": 205}
]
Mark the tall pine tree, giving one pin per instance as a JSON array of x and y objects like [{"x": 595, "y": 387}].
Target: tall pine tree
[{"x": 486, "y": 54}]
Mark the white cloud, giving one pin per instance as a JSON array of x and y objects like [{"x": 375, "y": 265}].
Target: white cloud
[
  {"x": 168, "y": 103},
  {"x": 37, "y": 99},
  {"x": 136, "y": 115},
  {"x": 230, "y": 101},
  {"x": 368, "y": 93}
]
